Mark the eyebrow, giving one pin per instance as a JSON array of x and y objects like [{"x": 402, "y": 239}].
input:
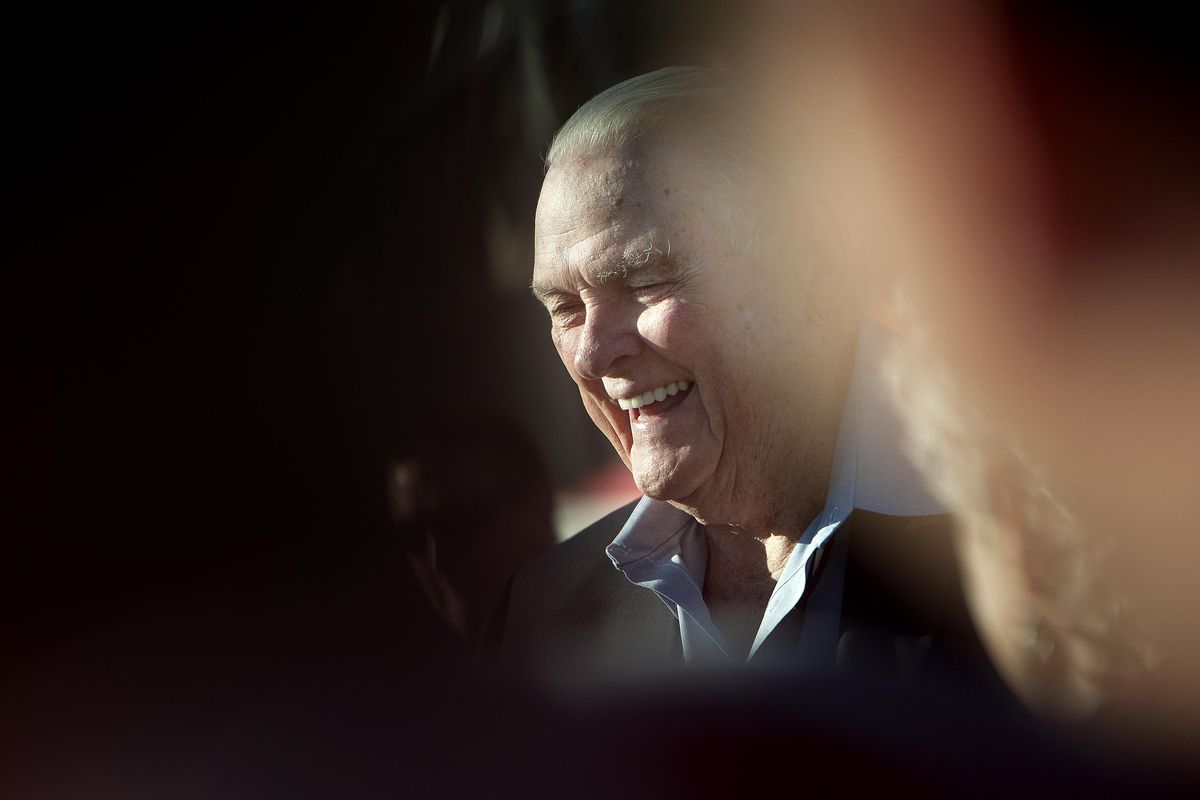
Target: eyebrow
[
  {"x": 650, "y": 259},
  {"x": 543, "y": 293}
]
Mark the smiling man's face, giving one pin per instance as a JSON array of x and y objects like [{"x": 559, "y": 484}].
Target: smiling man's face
[{"x": 663, "y": 318}]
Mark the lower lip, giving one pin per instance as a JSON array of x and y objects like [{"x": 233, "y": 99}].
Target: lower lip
[{"x": 659, "y": 410}]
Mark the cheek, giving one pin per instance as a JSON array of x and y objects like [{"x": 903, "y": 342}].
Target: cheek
[
  {"x": 672, "y": 327},
  {"x": 611, "y": 422},
  {"x": 564, "y": 345}
]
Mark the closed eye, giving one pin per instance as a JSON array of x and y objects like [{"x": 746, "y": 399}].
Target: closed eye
[
  {"x": 652, "y": 292},
  {"x": 566, "y": 312}
]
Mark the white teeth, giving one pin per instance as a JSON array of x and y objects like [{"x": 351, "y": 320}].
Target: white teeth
[{"x": 653, "y": 396}]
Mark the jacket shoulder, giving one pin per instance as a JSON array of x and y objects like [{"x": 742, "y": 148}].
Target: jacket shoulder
[
  {"x": 581, "y": 554},
  {"x": 572, "y": 606}
]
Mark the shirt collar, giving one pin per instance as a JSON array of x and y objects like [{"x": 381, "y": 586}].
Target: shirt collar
[
  {"x": 649, "y": 532},
  {"x": 870, "y": 466}
]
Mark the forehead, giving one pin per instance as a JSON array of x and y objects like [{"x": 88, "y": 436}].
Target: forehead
[{"x": 596, "y": 213}]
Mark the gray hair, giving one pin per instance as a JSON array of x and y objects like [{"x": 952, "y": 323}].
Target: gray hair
[
  {"x": 624, "y": 113},
  {"x": 703, "y": 102}
]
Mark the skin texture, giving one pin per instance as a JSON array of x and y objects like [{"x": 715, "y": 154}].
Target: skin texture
[{"x": 646, "y": 283}]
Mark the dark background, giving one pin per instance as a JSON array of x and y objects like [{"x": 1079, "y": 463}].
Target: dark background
[
  {"x": 251, "y": 252},
  {"x": 257, "y": 249}
]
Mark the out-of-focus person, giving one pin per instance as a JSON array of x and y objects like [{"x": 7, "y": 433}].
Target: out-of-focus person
[
  {"x": 728, "y": 362},
  {"x": 1030, "y": 179},
  {"x": 472, "y": 506}
]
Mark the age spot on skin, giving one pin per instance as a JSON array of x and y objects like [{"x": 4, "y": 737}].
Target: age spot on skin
[{"x": 620, "y": 199}]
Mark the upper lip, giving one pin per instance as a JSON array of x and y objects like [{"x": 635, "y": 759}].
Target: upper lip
[
  {"x": 650, "y": 395},
  {"x": 629, "y": 394}
]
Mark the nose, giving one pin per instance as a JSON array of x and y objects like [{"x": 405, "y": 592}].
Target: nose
[{"x": 609, "y": 333}]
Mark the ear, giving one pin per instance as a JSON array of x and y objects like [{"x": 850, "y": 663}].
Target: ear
[{"x": 402, "y": 479}]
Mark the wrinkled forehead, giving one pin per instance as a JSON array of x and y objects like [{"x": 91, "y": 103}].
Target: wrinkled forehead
[
  {"x": 590, "y": 184},
  {"x": 612, "y": 206}
]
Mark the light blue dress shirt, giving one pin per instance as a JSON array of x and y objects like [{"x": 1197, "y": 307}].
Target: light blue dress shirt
[{"x": 665, "y": 550}]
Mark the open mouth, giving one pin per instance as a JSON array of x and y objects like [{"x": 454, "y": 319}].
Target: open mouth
[{"x": 655, "y": 402}]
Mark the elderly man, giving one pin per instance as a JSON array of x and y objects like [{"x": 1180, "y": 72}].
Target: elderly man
[{"x": 723, "y": 370}]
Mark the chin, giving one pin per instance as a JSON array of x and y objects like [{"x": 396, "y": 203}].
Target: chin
[
  {"x": 672, "y": 484},
  {"x": 651, "y": 489}
]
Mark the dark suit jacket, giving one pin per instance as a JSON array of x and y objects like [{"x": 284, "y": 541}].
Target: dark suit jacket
[{"x": 571, "y": 615}]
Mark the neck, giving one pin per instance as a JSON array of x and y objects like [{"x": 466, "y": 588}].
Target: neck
[
  {"x": 741, "y": 575},
  {"x": 778, "y": 502},
  {"x": 748, "y": 548},
  {"x": 757, "y": 560}
]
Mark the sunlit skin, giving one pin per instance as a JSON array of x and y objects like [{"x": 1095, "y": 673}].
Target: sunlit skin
[{"x": 647, "y": 283}]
